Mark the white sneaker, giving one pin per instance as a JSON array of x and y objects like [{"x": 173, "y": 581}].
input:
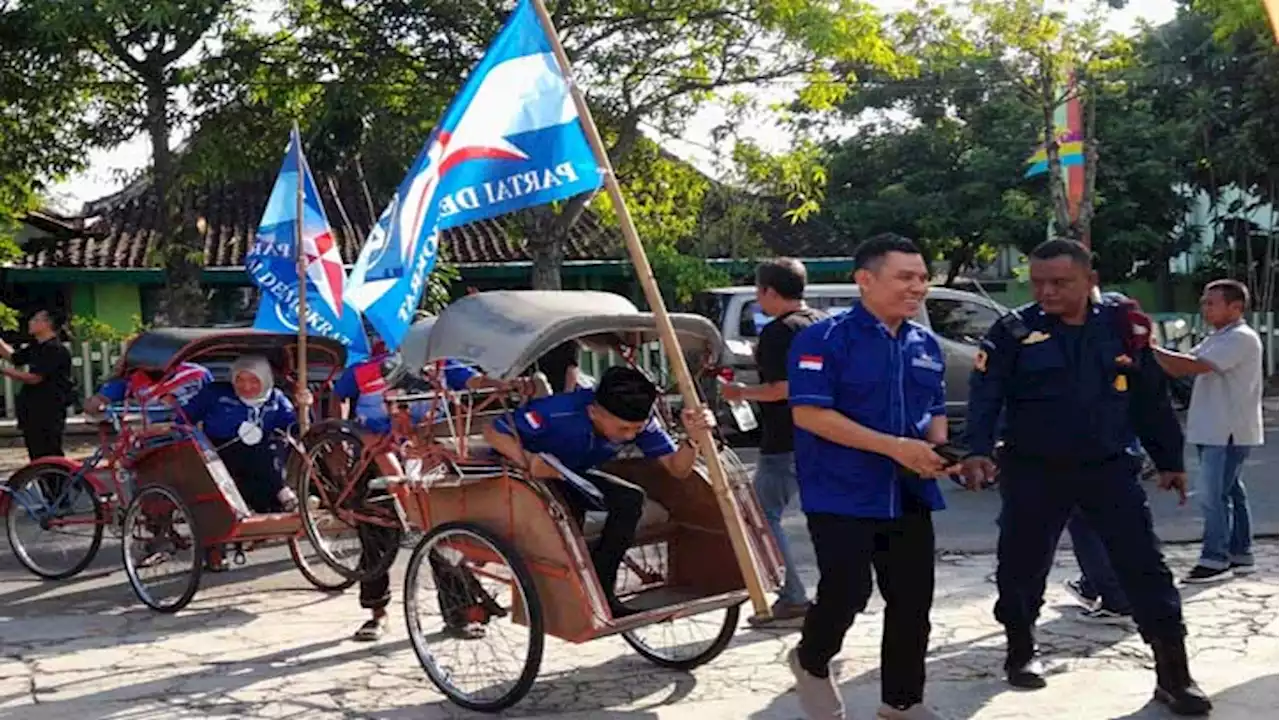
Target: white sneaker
[
  {"x": 919, "y": 711},
  {"x": 819, "y": 697},
  {"x": 1073, "y": 589},
  {"x": 288, "y": 499}
]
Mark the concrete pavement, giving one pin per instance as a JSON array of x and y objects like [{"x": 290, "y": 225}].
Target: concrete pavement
[{"x": 258, "y": 643}]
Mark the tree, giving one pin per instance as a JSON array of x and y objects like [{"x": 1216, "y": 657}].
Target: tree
[
  {"x": 141, "y": 51},
  {"x": 1039, "y": 50}
]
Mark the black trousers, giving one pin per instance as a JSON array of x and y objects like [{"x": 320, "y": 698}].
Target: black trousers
[
  {"x": 458, "y": 590},
  {"x": 901, "y": 552},
  {"x": 42, "y": 429},
  {"x": 1037, "y": 501},
  {"x": 624, "y": 503},
  {"x": 257, "y": 474}
]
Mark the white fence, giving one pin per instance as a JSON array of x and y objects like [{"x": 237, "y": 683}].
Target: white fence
[{"x": 91, "y": 365}]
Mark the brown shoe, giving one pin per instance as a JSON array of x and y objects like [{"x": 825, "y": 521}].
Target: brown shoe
[{"x": 783, "y": 615}]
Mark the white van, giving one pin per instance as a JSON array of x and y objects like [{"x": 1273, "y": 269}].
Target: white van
[{"x": 960, "y": 320}]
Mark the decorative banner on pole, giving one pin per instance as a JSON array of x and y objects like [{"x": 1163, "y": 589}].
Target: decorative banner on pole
[
  {"x": 273, "y": 262},
  {"x": 510, "y": 140},
  {"x": 1068, "y": 122}
]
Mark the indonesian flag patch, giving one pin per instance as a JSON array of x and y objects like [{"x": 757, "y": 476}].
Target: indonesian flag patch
[
  {"x": 534, "y": 419},
  {"x": 810, "y": 362}
]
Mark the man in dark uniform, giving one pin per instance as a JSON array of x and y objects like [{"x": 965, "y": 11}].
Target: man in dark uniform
[
  {"x": 46, "y": 386},
  {"x": 1079, "y": 385}
]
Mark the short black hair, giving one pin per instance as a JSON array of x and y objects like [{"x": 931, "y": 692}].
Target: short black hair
[
  {"x": 627, "y": 393},
  {"x": 1062, "y": 247},
  {"x": 785, "y": 276},
  {"x": 870, "y": 253},
  {"x": 1233, "y": 291}
]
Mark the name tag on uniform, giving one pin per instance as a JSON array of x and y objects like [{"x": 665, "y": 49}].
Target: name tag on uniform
[
  {"x": 1035, "y": 337},
  {"x": 924, "y": 361}
]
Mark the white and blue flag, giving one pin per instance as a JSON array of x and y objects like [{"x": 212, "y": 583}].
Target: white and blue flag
[
  {"x": 273, "y": 265},
  {"x": 511, "y": 140}
]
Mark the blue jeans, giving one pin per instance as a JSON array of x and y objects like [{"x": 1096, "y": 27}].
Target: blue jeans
[
  {"x": 1228, "y": 529},
  {"x": 776, "y": 487},
  {"x": 1098, "y": 577}
]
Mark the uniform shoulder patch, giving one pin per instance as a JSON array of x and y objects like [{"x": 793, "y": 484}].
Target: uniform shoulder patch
[{"x": 534, "y": 419}]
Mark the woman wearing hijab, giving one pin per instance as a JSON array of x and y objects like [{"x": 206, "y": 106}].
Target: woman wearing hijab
[{"x": 239, "y": 418}]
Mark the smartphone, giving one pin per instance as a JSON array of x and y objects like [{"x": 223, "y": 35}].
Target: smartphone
[{"x": 951, "y": 453}]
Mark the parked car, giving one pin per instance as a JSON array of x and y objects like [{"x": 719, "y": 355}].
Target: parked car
[{"x": 960, "y": 320}]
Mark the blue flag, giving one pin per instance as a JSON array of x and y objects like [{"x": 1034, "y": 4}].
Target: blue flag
[
  {"x": 511, "y": 139},
  {"x": 272, "y": 263}
]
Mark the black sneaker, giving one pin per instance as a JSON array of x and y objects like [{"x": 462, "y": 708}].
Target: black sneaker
[
  {"x": 1104, "y": 616},
  {"x": 1202, "y": 575},
  {"x": 1241, "y": 569},
  {"x": 1075, "y": 588}
]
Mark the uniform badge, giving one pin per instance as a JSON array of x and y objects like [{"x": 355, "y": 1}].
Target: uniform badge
[
  {"x": 1035, "y": 337},
  {"x": 534, "y": 419},
  {"x": 810, "y": 362},
  {"x": 1121, "y": 384},
  {"x": 1124, "y": 361},
  {"x": 980, "y": 361}
]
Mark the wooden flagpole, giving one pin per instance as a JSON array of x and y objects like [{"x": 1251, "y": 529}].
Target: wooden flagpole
[
  {"x": 666, "y": 331},
  {"x": 304, "y": 410}
]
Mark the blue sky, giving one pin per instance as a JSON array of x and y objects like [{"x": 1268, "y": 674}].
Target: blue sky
[{"x": 106, "y": 166}]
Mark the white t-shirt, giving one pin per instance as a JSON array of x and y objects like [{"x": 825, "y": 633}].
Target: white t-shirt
[{"x": 1226, "y": 404}]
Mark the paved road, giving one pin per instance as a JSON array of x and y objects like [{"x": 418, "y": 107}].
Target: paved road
[{"x": 257, "y": 643}]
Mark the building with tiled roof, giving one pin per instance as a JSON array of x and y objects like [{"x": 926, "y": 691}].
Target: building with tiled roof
[{"x": 103, "y": 262}]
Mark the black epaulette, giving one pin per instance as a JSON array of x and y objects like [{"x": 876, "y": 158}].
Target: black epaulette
[{"x": 1013, "y": 324}]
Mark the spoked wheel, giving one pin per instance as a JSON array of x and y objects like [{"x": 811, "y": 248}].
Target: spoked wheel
[
  {"x": 54, "y": 521},
  {"x": 334, "y": 504},
  {"x": 687, "y": 642},
  {"x": 314, "y": 569},
  {"x": 162, "y": 553},
  {"x": 474, "y": 616}
]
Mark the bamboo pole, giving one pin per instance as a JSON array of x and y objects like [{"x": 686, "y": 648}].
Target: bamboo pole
[
  {"x": 666, "y": 331},
  {"x": 304, "y": 409}
]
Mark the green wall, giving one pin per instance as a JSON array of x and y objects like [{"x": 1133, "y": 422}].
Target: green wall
[
  {"x": 117, "y": 305},
  {"x": 1185, "y": 296}
]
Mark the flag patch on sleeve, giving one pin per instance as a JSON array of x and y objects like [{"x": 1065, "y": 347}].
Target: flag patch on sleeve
[
  {"x": 810, "y": 362},
  {"x": 534, "y": 419}
]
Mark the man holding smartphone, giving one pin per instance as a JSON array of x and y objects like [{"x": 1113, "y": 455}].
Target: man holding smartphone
[{"x": 868, "y": 399}]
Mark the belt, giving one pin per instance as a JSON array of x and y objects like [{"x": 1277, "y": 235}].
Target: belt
[{"x": 1063, "y": 461}]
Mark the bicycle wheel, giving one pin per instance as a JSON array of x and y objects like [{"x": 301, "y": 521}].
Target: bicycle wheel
[
  {"x": 54, "y": 521},
  {"x": 466, "y": 588},
  {"x": 687, "y": 642},
  {"x": 162, "y": 553},
  {"x": 317, "y": 573},
  {"x": 333, "y": 499}
]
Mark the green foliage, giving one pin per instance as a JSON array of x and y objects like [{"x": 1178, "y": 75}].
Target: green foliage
[
  {"x": 93, "y": 330},
  {"x": 8, "y": 318},
  {"x": 437, "y": 294}
]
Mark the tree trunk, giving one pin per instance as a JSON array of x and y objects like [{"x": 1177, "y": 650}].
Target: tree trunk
[
  {"x": 547, "y": 242},
  {"x": 179, "y": 236},
  {"x": 1057, "y": 189},
  {"x": 1084, "y": 223}
]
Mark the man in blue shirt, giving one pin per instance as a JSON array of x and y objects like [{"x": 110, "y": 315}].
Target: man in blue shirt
[
  {"x": 867, "y": 397},
  {"x": 586, "y": 428}
]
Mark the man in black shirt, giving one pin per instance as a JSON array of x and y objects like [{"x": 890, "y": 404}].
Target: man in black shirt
[
  {"x": 780, "y": 293},
  {"x": 46, "y": 386}
]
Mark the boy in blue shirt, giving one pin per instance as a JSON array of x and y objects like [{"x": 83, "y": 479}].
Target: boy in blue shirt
[{"x": 585, "y": 429}]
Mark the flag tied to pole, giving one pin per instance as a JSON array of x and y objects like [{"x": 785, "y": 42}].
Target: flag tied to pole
[
  {"x": 511, "y": 139},
  {"x": 272, "y": 262}
]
